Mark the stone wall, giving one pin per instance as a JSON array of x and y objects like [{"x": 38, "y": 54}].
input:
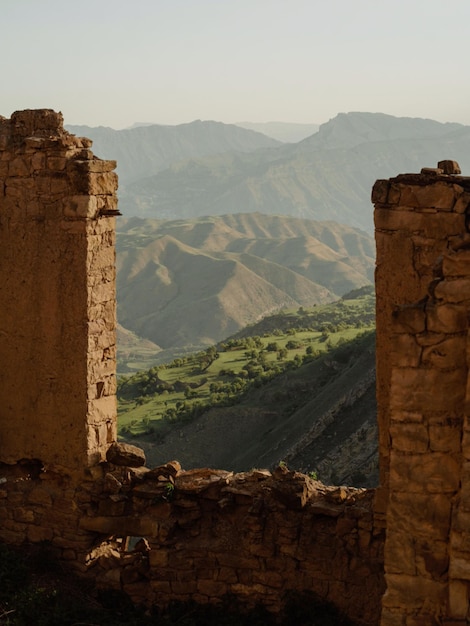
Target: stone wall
[
  {"x": 423, "y": 302},
  {"x": 166, "y": 535},
  {"x": 57, "y": 295}
]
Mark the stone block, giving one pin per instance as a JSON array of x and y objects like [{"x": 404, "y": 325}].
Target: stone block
[
  {"x": 107, "y": 203},
  {"x": 125, "y": 454},
  {"x": 460, "y": 541},
  {"x": 405, "y": 351},
  {"x": 462, "y": 203},
  {"x": 438, "y": 195},
  {"x": 101, "y": 410},
  {"x": 84, "y": 206},
  {"x": 75, "y": 228},
  {"x": 380, "y": 192},
  {"x": 101, "y": 256},
  {"x": 111, "y": 579},
  {"x": 110, "y": 507},
  {"x": 187, "y": 587},
  {"x": 31, "y": 122},
  {"x": 413, "y": 592},
  {"x": 36, "y": 534},
  {"x": 158, "y": 558},
  {"x": 102, "y": 183},
  {"x": 69, "y": 555},
  {"x": 456, "y": 263},
  {"x": 392, "y": 219},
  {"x": 275, "y": 580},
  {"x": 446, "y": 318},
  {"x": 248, "y": 590},
  {"x": 56, "y": 163},
  {"x": 460, "y": 566},
  {"x": 445, "y": 437},
  {"x": 38, "y": 161},
  {"x": 426, "y": 516},
  {"x": 409, "y": 319},
  {"x": 453, "y": 291},
  {"x": 449, "y": 353},
  {"x": 237, "y": 561},
  {"x": 421, "y": 390},
  {"x": 424, "y": 473},
  {"x": 458, "y": 599},
  {"x": 265, "y": 549},
  {"x": 227, "y": 575},
  {"x": 94, "y": 165},
  {"x": 432, "y": 559},
  {"x": 449, "y": 167},
  {"x": 212, "y": 588},
  {"x": 408, "y": 437},
  {"x": 19, "y": 166},
  {"x": 24, "y": 515}
]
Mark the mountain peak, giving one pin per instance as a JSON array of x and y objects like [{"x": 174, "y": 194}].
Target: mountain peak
[{"x": 347, "y": 130}]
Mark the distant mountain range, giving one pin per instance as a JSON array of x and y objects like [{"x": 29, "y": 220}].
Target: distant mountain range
[
  {"x": 208, "y": 168},
  {"x": 143, "y": 150},
  {"x": 195, "y": 282},
  {"x": 287, "y": 132},
  {"x": 185, "y": 279}
]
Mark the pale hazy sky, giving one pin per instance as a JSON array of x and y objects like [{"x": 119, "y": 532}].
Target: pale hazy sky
[{"x": 116, "y": 62}]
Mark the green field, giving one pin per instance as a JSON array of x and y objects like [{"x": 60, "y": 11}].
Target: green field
[{"x": 156, "y": 400}]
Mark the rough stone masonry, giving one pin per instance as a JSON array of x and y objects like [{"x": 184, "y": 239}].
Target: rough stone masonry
[
  {"x": 423, "y": 303},
  {"x": 57, "y": 294}
]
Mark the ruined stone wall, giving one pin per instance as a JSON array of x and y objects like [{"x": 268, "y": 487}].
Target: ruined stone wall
[
  {"x": 423, "y": 306},
  {"x": 57, "y": 295},
  {"x": 204, "y": 535}
]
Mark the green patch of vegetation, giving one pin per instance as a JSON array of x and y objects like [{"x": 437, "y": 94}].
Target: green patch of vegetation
[{"x": 154, "y": 401}]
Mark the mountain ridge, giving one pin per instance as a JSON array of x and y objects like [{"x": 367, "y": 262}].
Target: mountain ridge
[
  {"x": 194, "y": 282},
  {"x": 144, "y": 150},
  {"x": 328, "y": 175}
]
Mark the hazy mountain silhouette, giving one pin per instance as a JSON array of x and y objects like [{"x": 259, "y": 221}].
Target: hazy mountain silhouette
[
  {"x": 326, "y": 176},
  {"x": 287, "y": 132},
  {"x": 145, "y": 150}
]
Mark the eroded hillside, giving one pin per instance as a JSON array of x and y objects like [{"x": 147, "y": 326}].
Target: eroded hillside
[
  {"x": 195, "y": 282},
  {"x": 297, "y": 388}
]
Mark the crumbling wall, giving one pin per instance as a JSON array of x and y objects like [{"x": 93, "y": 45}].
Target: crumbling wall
[
  {"x": 423, "y": 306},
  {"x": 57, "y": 295},
  {"x": 166, "y": 535}
]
